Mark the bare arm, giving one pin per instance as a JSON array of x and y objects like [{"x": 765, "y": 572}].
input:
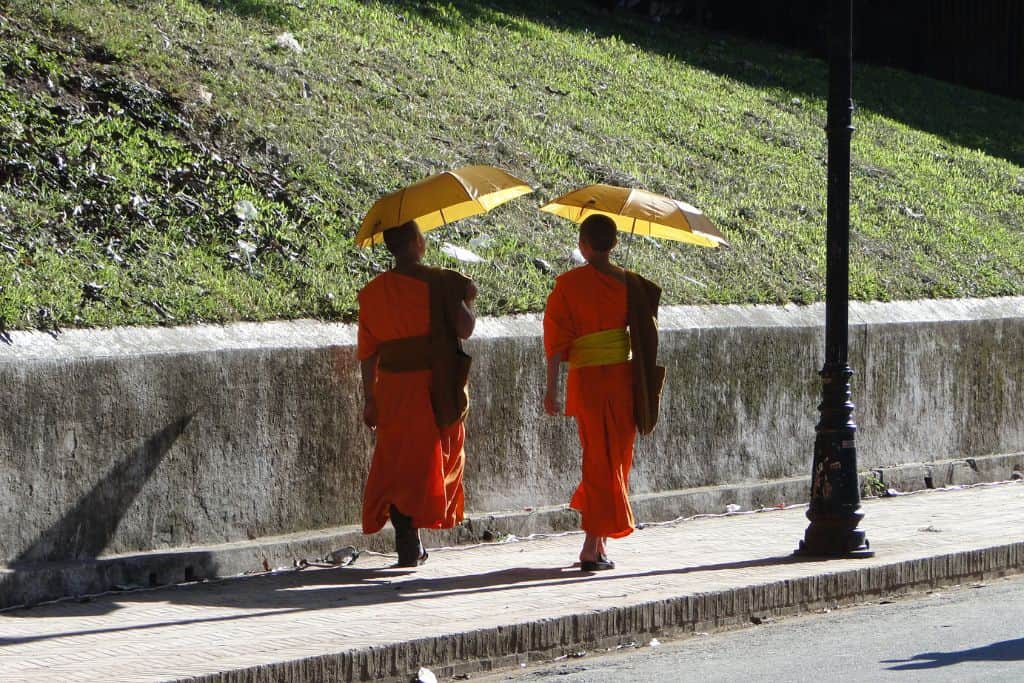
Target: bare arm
[
  {"x": 368, "y": 367},
  {"x": 465, "y": 318},
  {"x": 551, "y": 394}
]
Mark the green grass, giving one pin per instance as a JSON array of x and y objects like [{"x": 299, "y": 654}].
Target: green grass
[{"x": 138, "y": 225}]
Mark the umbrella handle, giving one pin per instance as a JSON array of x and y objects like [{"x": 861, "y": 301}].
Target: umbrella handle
[{"x": 629, "y": 244}]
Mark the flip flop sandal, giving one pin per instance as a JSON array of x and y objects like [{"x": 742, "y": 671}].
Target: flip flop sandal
[{"x": 599, "y": 565}]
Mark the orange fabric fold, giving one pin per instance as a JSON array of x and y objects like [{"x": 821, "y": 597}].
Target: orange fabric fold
[
  {"x": 600, "y": 397},
  {"x": 416, "y": 466}
]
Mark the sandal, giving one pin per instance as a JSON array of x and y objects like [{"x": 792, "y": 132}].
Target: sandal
[
  {"x": 602, "y": 563},
  {"x": 413, "y": 563}
]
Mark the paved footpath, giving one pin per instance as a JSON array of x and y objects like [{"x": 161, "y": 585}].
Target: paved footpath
[{"x": 485, "y": 603}]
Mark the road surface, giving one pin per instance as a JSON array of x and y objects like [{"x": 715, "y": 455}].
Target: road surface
[{"x": 965, "y": 633}]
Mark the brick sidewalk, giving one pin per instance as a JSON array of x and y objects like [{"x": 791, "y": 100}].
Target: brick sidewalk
[{"x": 203, "y": 629}]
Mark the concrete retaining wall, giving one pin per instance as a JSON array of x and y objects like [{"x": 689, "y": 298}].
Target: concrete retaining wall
[{"x": 126, "y": 440}]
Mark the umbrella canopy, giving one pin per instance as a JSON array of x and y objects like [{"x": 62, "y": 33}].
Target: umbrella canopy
[
  {"x": 441, "y": 199},
  {"x": 639, "y": 212}
]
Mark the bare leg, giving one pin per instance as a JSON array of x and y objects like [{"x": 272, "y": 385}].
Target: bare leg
[
  {"x": 407, "y": 540},
  {"x": 592, "y": 556},
  {"x": 590, "y": 551}
]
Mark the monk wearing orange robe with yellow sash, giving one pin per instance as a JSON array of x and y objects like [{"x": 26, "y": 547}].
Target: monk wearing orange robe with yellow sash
[
  {"x": 585, "y": 323},
  {"x": 415, "y": 477}
]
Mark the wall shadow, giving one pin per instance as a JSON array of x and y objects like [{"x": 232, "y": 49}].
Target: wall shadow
[
  {"x": 84, "y": 531},
  {"x": 1003, "y": 651}
]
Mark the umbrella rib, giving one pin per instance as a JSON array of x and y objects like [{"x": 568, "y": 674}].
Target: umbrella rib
[
  {"x": 401, "y": 205},
  {"x": 625, "y": 203},
  {"x": 469, "y": 192}
]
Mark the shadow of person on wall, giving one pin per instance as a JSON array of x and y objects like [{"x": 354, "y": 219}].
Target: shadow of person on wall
[{"x": 84, "y": 531}]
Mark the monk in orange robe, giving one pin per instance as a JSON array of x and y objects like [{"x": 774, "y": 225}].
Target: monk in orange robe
[
  {"x": 585, "y": 324},
  {"x": 415, "y": 476}
]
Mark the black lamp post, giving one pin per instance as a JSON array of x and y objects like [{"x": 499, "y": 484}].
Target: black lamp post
[{"x": 835, "y": 497}]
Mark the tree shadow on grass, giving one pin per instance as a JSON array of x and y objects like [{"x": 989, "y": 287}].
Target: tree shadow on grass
[
  {"x": 276, "y": 12},
  {"x": 1003, "y": 651},
  {"x": 985, "y": 122}
]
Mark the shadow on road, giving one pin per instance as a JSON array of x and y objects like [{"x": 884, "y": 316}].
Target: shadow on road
[{"x": 1003, "y": 651}]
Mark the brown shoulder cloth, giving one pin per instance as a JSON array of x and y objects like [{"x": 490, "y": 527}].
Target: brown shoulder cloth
[
  {"x": 449, "y": 364},
  {"x": 642, "y": 298}
]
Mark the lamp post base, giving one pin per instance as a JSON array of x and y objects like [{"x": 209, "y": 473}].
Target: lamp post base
[{"x": 835, "y": 537}]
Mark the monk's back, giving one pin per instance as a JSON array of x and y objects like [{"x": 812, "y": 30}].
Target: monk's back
[
  {"x": 596, "y": 301},
  {"x": 394, "y": 306}
]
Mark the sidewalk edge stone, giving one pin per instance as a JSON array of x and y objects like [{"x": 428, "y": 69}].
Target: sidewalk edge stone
[{"x": 503, "y": 646}]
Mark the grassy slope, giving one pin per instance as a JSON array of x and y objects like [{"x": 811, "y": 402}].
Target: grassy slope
[{"x": 386, "y": 93}]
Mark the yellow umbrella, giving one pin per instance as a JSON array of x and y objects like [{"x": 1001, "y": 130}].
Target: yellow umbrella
[
  {"x": 441, "y": 199},
  {"x": 639, "y": 212}
]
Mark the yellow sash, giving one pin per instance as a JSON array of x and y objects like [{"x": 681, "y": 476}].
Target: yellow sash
[{"x": 606, "y": 347}]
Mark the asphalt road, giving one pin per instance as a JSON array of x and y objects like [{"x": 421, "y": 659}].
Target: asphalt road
[{"x": 965, "y": 633}]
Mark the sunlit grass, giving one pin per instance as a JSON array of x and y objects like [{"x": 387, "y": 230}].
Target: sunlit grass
[{"x": 560, "y": 94}]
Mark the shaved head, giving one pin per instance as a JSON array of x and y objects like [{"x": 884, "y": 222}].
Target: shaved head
[
  {"x": 599, "y": 232},
  {"x": 399, "y": 239}
]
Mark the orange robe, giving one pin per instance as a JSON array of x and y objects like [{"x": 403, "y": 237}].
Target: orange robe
[
  {"x": 416, "y": 467},
  {"x": 600, "y": 397}
]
